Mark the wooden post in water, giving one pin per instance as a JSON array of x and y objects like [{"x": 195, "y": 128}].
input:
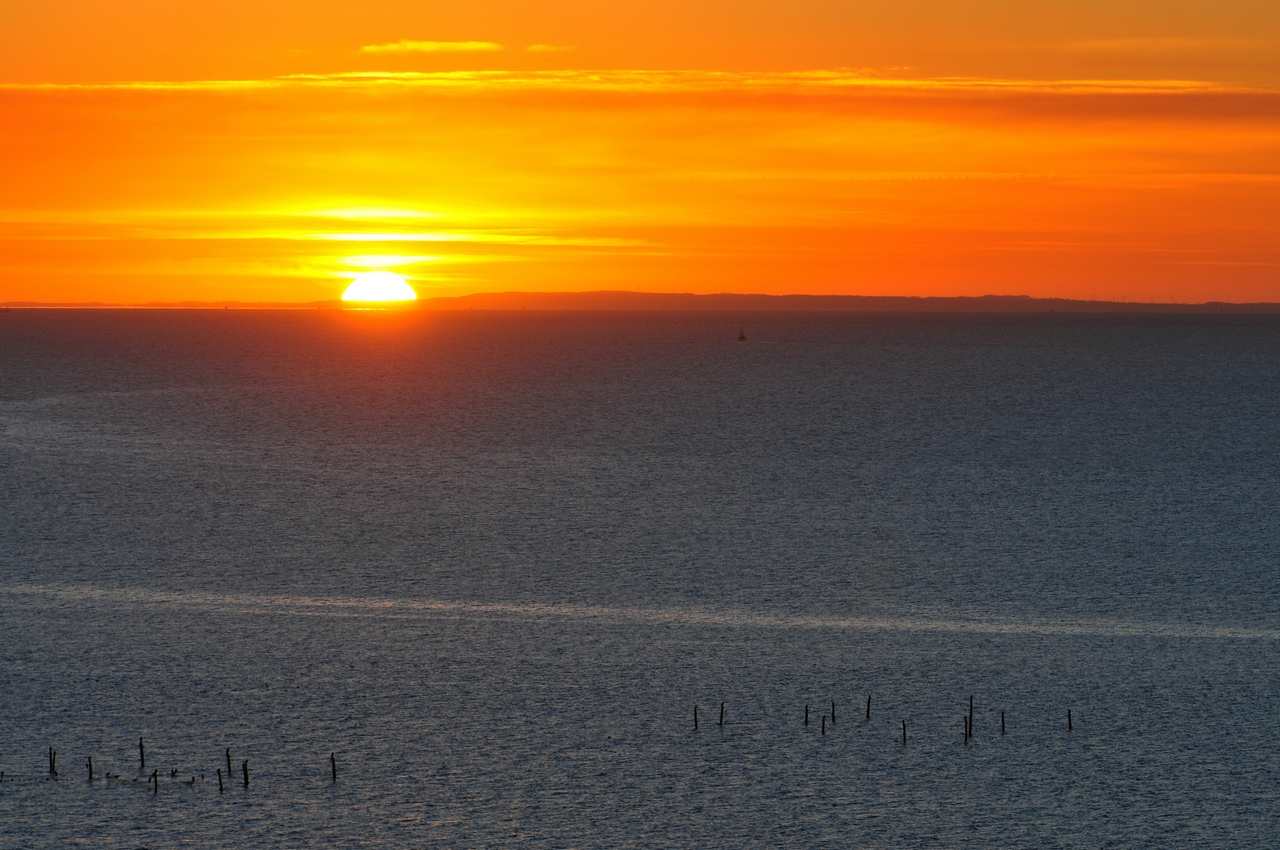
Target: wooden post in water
[
  {"x": 89, "y": 764},
  {"x": 904, "y": 733},
  {"x": 245, "y": 768},
  {"x": 833, "y": 712},
  {"x": 806, "y": 715},
  {"x": 142, "y": 756},
  {"x": 824, "y": 724},
  {"x": 695, "y": 718},
  {"x": 333, "y": 766},
  {"x": 1068, "y": 720},
  {"x": 219, "y": 780},
  {"x": 229, "y": 771},
  {"x": 868, "y": 706},
  {"x": 155, "y": 779},
  {"x": 1002, "y": 723},
  {"x": 721, "y": 714}
]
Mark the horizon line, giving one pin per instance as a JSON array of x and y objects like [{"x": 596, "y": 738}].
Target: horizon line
[{"x": 631, "y": 300}]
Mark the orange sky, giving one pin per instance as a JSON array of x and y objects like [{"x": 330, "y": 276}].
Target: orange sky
[{"x": 268, "y": 151}]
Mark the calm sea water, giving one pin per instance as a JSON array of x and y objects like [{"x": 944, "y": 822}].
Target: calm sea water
[{"x": 493, "y": 561}]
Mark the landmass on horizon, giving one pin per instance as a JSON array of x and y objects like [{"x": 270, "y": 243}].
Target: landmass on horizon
[{"x": 617, "y": 300}]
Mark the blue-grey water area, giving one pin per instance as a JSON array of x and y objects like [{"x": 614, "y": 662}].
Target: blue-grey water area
[{"x": 492, "y": 561}]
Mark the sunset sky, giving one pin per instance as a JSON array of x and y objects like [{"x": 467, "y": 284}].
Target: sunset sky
[{"x": 156, "y": 150}]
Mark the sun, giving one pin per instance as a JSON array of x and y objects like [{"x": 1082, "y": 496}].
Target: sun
[{"x": 379, "y": 286}]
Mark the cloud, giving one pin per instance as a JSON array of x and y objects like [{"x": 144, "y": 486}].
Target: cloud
[
  {"x": 549, "y": 48},
  {"x": 407, "y": 46},
  {"x": 1162, "y": 45}
]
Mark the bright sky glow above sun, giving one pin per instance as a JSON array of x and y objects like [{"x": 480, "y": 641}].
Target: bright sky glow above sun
[{"x": 268, "y": 151}]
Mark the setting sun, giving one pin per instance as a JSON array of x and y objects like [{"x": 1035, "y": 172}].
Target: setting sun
[{"x": 379, "y": 286}]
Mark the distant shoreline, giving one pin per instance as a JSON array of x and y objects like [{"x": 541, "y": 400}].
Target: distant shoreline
[{"x": 614, "y": 301}]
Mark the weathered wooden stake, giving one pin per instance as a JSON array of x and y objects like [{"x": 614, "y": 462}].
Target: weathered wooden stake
[
  {"x": 155, "y": 779},
  {"x": 333, "y": 766},
  {"x": 229, "y": 771},
  {"x": 695, "y": 718},
  {"x": 219, "y": 780},
  {"x": 868, "y": 706},
  {"x": 1002, "y": 723},
  {"x": 824, "y": 724},
  {"x": 721, "y": 714},
  {"x": 142, "y": 756},
  {"x": 1068, "y": 720},
  {"x": 806, "y": 715},
  {"x": 904, "y": 733},
  {"x": 245, "y": 768},
  {"x": 833, "y": 712},
  {"x": 89, "y": 764}
]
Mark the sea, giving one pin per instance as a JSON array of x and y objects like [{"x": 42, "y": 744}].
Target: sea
[{"x": 578, "y": 580}]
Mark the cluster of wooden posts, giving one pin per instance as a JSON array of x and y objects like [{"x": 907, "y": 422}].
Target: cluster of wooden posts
[
  {"x": 154, "y": 779},
  {"x": 968, "y": 719}
]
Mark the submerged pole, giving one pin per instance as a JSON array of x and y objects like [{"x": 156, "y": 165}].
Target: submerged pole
[
  {"x": 1002, "y": 723},
  {"x": 695, "y": 718},
  {"x": 868, "y": 706},
  {"x": 229, "y": 771},
  {"x": 904, "y": 733},
  {"x": 824, "y": 724},
  {"x": 1068, "y": 720},
  {"x": 89, "y": 765},
  {"x": 806, "y": 715},
  {"x": 833, "y": 712},
  {"x": 721, "y": 714},
  {"x": 245, "y": 768},
  {"x": 333, "y": 766},
  {"x": 219, "y": 780}
]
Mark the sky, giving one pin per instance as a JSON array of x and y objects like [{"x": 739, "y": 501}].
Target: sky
[{"x": 166, "y": 150}]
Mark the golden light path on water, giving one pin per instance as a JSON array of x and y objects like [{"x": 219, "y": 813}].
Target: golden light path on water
[{"x": 17, "y": 594}]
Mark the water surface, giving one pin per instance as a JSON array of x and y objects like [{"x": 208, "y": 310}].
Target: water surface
[{"x": 492, "y": 561}]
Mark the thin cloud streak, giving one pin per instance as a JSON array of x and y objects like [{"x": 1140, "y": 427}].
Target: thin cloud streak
[
  {"x": 817, "y": 82},
  {"x": 1164, "y": 45},
  {"x": 406, "y": 46}
]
